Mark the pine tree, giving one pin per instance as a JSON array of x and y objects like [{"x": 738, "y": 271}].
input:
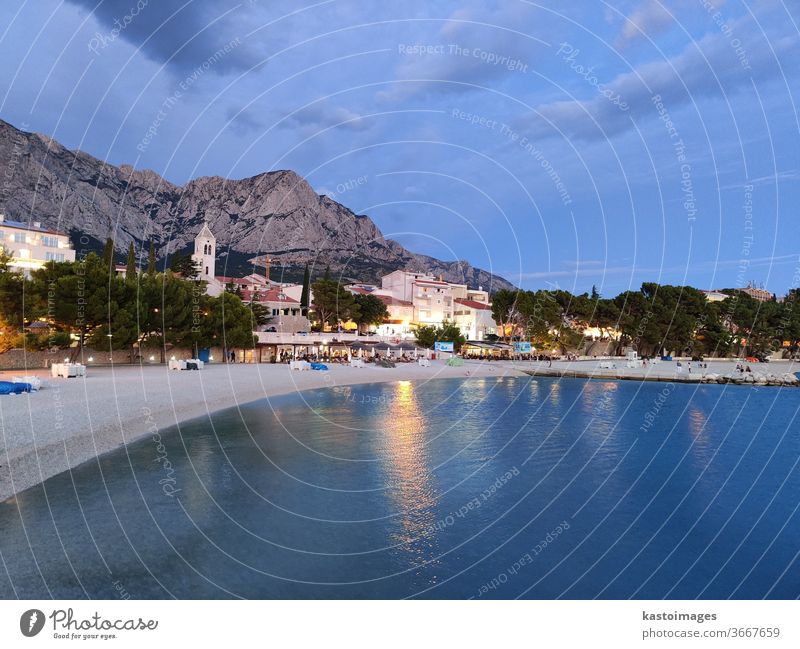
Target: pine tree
[
  {"x": 305, "y": 296},
  {"x": 130, "y": 269},
  {"x": 151, "y": 260}
]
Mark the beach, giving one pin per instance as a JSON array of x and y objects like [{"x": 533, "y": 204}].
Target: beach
[{"x": 70, "y": 421}]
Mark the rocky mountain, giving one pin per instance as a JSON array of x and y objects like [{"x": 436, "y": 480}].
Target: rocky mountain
[{"x": 275, "y": 214}]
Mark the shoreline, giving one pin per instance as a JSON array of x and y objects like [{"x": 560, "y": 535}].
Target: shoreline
[
  {"x": 72, "y": 421},
  {"x": 719, "y": 372}
]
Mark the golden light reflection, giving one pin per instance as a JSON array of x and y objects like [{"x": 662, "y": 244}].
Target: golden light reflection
[
  {"x": 555, "y": 393},
  {"x": 410, "y": 482}
]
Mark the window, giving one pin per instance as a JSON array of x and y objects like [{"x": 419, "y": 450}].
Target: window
[
  {"x": 206, "y": 270},
  {"x": 274, "y": 312},
  {"x": 50, "y": 242},
  {"x": 54, "y": 256},
  {"x": 19, "y": 237}
]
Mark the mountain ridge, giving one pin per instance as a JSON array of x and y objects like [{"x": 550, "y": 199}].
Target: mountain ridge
[{"x": 275, "y": 214}]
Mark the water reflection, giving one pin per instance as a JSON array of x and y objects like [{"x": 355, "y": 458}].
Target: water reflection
[{"x": 410, "y": 485}]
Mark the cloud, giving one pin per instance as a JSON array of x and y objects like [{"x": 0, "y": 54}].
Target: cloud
[
  {"x": 652, "y": 17},
  {"x": 473, "y": 47},
  {"x": 707, "y": 68},
  {"x": 789, "y": 175},
  {"x": 178, "y": 32},
  {"x": 693, "y": 266},
  {"x": 244, "y": 121},
  {"x": 321, "y": 115}
]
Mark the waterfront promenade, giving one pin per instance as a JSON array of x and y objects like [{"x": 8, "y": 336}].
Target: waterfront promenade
[{"x": 717, "y": 371}]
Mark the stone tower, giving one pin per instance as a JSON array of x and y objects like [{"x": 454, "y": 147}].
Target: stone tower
[{"x": 205, "y": 253}]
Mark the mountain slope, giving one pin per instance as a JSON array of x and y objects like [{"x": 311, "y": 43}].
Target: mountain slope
[{"x": 276, "y": 214}]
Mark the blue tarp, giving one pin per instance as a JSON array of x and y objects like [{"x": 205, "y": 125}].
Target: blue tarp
[
  {"x": 6, "y": 387},
  {"x": 319, "y": 366}
]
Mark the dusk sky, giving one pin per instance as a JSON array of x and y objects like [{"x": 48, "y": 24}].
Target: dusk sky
[{"x": 557, "y": 144}]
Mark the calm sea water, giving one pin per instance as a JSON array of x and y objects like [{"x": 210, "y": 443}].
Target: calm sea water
[{"x": 483, "y": 488}]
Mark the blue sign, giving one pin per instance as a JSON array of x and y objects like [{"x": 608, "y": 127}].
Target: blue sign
[
  {"x": 443, "y": 347},
  {"x": 522, "y": 348}
]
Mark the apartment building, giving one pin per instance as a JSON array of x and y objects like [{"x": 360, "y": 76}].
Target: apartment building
[{"x": 31, "y": 246}]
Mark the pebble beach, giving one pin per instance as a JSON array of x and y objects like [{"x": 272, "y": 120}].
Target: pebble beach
[{"x": 71, "y": 421}]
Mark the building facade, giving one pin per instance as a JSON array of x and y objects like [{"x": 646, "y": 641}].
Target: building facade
[{"x": 31, "y": 246}]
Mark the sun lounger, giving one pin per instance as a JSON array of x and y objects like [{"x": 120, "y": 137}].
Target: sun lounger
[{"x": 34, "y": 381}]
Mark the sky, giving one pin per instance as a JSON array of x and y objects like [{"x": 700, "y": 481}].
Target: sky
[{"x": 557, "y": 144}]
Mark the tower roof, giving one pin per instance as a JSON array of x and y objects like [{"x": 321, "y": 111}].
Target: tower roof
[{"x": 205, "y": 232}]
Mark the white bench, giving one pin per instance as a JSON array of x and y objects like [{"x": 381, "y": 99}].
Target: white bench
[
  {"x": 356, "y": 362},
  {"x": 299, "y": 365},
  {"x": 423, "y": 362},
  {"x": 607, "y": 365}
]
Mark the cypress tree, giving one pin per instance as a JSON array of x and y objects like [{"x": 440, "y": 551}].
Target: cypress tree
[
  {"x": 151, "y": 260},
  {"x": 108, "y": 253},
  {"x": 306, "y": 294},
  {"x": 130, "y": 270}
]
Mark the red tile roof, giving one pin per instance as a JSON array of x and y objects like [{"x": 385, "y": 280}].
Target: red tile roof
[
  {"x": 472, "y": 304},
  {"x": 388, "y": 300},
  {"x": 274, "y": 295},
  {"x": 235, "y": 280}
]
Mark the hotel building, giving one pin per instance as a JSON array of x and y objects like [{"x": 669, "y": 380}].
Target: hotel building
[{"x": 31, "y": 246}]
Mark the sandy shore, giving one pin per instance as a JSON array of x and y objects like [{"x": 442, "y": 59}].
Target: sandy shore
[{"x": 73, "y": 420}]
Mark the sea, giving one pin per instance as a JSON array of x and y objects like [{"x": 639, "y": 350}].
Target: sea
[{"x": 481, "y": 488}]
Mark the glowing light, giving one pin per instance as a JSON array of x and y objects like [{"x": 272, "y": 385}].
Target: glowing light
[
  {"x": 91, "y": 358},
  {"x": 152, "y": 358}
]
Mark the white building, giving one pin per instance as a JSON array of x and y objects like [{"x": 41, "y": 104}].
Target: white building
[
  {"x": 31, "y": 246},
  {"x": 432, "y": 298},
  {"x": 474, "y": 319},
  {"x": 415, "y": 299}
]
